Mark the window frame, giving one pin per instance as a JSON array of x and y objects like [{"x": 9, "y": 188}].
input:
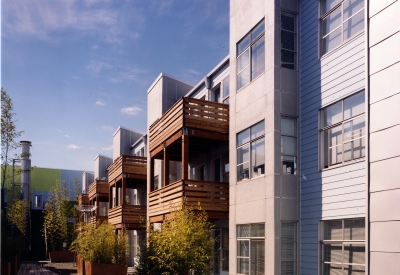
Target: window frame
[
  {"x": 322, "y": 16},
  {"x": 343, "y": 242},
  {"x": 323, "y": 148},
  {"x": 297, "y": 146},
  {"x": 249, "y": 48},
  {"x": 249, "y": 144},
  {"x": 295, "y": 32},
  {"x": 248, "y": 239}
]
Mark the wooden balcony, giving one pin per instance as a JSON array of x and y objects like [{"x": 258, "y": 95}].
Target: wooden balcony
[
  {"x": 132, "y": 166},
  {"x": 100, "y": 187},
  {"x": 204, "y": 119},
  {"x": 95, "y": 219},
  {"x": 212, "y": 196},
  {"x": 83, "y": 199},
  {"x": 131, "y": 216}
]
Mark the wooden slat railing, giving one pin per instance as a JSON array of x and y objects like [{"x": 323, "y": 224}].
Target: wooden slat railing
[
  {"x": 212, "y": 196},
  {"x": 127, "y": 214},
  {"x": 98, "y": 186},
  {"x": 127, "y": 164},
  {"x": 191, "y": 113},
  {"x": 95, "y": 219},
  {"x": 83, "y": 199}
]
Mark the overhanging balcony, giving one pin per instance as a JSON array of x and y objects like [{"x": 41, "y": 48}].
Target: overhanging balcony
[
  {"x": 95, "y": 219},
  {"x": 128, "y": 216},
  {"x": 132, "y": 166},
  {"x": 98, "y": 188},
  {"x": 212, "y": 196},
  {"x": 83, "y": 199},
  {"x": 192, "y": 117}
]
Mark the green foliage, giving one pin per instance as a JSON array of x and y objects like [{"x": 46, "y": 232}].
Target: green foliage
[
  {"x": 98, "y": 243},
  {"x": 9, "y": 133},
  {"x": 146, "y": 264},
  {"x": 56, "y": 213},
  {"x": 184, "y": 244},
  {"x": 17, "y": 214}
]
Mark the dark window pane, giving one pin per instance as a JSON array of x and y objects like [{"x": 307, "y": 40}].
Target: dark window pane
[
  {"x": 243, "y": 230},
  {"x": 257, "y": 31},
  {"x": 354, "y": 229},
  {"x": 288, "y": 22},
  {"x": 242, "y": 45},
  {"x": 257, "y": 230},
  {"x": 243, "y": 137},
  {"x": 258, "y": 58},
  {"x": 288, "y": 40},
  {"x": 333, "y": 230},
  {"x": 243, "y": 248},
  {"x": 257, "y": 130},
  {"x": 257, "y": 257}
]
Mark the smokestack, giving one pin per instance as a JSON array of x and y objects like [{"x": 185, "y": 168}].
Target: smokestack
[{"x": 25, "y": 169}]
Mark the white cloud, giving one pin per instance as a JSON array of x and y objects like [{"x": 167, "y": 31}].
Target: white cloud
[
  {"x": 109, "y": 148},
  {"x": 96, "y": 67},
  {"x": 73, "y": 147},
  {"x": 99, "y": 102},
  {"x": 133, "y": 74},
  {"x": 67, "y": 136},
  {"x": 108, "y": 128},
  {"x": 131, "y": 110}
]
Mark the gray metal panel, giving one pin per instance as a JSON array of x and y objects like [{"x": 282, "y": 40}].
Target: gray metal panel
[
  {"x": 87, "y": 179},
  {"x": 337, "y": 192}
]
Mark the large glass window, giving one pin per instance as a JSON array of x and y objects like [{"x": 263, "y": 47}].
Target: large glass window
[
  {"x": 342, "y": 131},
  {"x": 251, "y": 55},
  {"x": 289, "y": 248},
  {"x": 250, "y": 249},
  {"x": 289, "y": 145},
  {"x": 225, "y": 90},
  {"x": 288, "y": 41},
  {"x": 343, "y": 247},
  {"x": 251, "y": 152},
  {"x": 340, "y": 21}
]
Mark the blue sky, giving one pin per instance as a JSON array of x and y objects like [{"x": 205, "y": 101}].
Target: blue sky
[{"x": 76, "y": 70}]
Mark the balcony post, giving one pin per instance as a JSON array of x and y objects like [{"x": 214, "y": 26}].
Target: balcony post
[
  {"x": 185, "y": 156},
  {"x": 166, "y": 167},
  {"x": 123, "y": 191},
  {"x": 151, "y": 187}
]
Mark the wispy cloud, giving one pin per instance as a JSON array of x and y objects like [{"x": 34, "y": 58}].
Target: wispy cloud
[
  {"x": 42, "y": 18},
  {"x": 131, "y": 110},
  {"x": 107, "y": 128},
  {"x": 109, "y": 148},
  {"x": 133, "y": 74},
  {"x": 101, "y": 103},
  {"x": 95, "y": 66},
  {"x": 67, "y": 136},
  {"x": 73, "y": 147}
]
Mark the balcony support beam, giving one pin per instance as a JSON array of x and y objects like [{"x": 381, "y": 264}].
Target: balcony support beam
[
  {"x": 166, "y": 166},
  {"x": 185, "y": 157}
]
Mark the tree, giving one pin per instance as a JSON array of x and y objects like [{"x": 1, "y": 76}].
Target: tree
[
  {"x": 184, "y": 244},
  {"x": 56, "y": 213},
  {"x": 17, "y": 215},
  {"x": 9, "y": 133}
]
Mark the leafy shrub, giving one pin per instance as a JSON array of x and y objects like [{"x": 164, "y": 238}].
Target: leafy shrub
[{"x": 98, "y": 243}]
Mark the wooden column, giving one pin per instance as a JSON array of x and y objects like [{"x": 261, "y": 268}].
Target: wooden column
[
  {"x": 151, "y": 187},
  {"x": 110, "y": 197},
  {"x": 185, "y": 156},
  {"x": 166, "y": 167},
  {"x": 123, "y": 191}
]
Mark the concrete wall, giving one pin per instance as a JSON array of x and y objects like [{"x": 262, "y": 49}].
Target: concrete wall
[
  {"x": 268, "y": 97},
  {"x": 384, "y": 134}
]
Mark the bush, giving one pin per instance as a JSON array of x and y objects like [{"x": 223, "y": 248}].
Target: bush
[{"x": 97, "y": 243}]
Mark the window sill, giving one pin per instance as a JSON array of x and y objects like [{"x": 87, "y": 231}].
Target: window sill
[
  {"x": 354, "y": 37},
  {"x": 343, "y": 164},
  {"x": 252, "y": 81},
  {"x": 247, "y": 180}
]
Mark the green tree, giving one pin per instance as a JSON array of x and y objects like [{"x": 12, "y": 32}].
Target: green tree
[
  {"x": 9, "y": 133},
  {"x": 16, "y": 215},
  {"x": 56, "y": 213},
  {"x": 184, "y": 243}
]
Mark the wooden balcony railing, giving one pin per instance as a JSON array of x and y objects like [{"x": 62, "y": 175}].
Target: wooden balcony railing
[
  {"x": 212, "y": 196},
  {"x": 191, "y": 113},
  {"x": 95, "y": 219},
  {"x": 127, "y": 214},
  {"x": 98, "y": 186},
  {"x": 83, "y": 199},
  {"x": 131, "y": 165}
]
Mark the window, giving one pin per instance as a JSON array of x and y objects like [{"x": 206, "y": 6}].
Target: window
[
  {"x": 38, "y": 201},
  {"x": 225, "y": 90},
  {"x": 340, "y": 20},
  {"x": 289, "y": 145},
  {"x": 156, "y": 187},
  {"x": 217, "y": 94},
  {"x": 343, "y": 247},
  {"x": 225, "y": 167},
  {"x": 250, "y": 249},
  {"x": 289, "y": 248},
  {"x": 288, "y": 41},
  {"x": 342, "y": 131},
  {"x": 225, "y": 249},
  {"x": 251, "y": 55},
  {"x": 250, "y": 152}
]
